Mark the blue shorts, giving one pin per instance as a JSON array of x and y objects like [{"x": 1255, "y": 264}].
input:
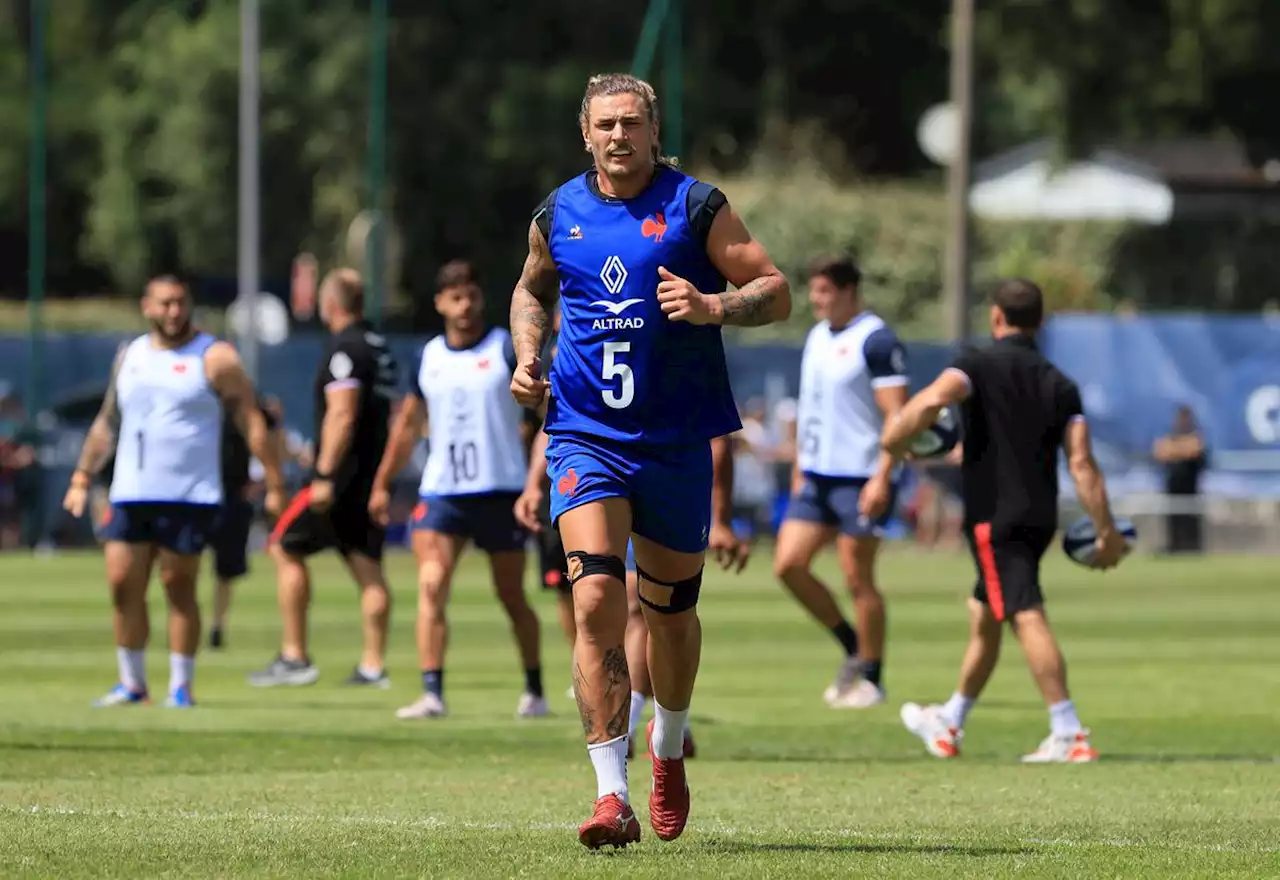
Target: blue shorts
[
  {"x": 669, "y": 487},
  {"x": 181, "y": 528},
  {"x": 231, "y": 539},
  {"x": 486, "y": 518},
  {"x": 833, "y": 501}
]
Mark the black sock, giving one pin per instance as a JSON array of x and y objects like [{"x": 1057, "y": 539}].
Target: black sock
[
  {"x": 847, "y": 638},
  {"x": 433, "y": 681},
  {"x": 871, "y": 671},
  {"x": 533, "y": 681}
]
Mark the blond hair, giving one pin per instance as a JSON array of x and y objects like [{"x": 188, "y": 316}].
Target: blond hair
[
  {"x": 347, "y": 287},
  {"x": 606, "y": 84}
]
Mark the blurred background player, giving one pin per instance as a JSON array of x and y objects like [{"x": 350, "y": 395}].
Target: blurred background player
[
  {"x": 852, "y": 376},
  {"x": 640, "y": 388},
  {"x": 165, "y": 402},
  {"x": 355, "y": 387},
  {"x": 475, "y": 470},
  {"x": 1017, "y": 409},
  {"x": 230, "y": 540}
]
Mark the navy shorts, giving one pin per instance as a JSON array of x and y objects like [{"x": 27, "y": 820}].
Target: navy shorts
[
  {"x": 488, "y": 519},
  {"x": 181, "y": 528},
  {"x": 231, "y": 540},
  {"x": 669, "y": 487},
  {"x": 833, "y": 501}
]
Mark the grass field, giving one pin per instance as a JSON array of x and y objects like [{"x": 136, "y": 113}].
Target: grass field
[{"x": 1173, "y": 664}]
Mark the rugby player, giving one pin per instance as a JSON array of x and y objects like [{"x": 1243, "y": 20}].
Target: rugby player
[
  {"x": 638, "y": 255},
  {"x": 230, "y": 541},
  {"x": 475, "y": 470},
  {"x": 1017, "y": 410},
  {"x": 853, "y": 375},
  {"x": 165, "y": 403},
  {"x": 355, "y": 386}
]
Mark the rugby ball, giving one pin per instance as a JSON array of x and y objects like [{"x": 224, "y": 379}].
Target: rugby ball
[
  {"x": 938, "y": 439},
  {"x": 1078, "y": 542}
]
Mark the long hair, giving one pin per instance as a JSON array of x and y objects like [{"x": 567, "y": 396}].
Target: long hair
[{"x": 603, "y": 84}]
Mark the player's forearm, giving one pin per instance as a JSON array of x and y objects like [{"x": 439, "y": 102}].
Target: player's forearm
[
  {"x": 98, "y": 444},
  {"x": 266, "y": 448},
  {"x": 397, "y": 454},
  {"x": 1091, "y": 489},
  {"x": 906, "y": 423},
  {"x": 537, "y": 479},
  {"x": 766, "y": 300},
  {"x": 530, "y": 317},
  {"x": 336, "y": 433},
  {"x": 722, "y": 481}
]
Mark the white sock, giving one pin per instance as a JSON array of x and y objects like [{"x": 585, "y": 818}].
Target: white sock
[
  {"x": 133, "y": 669},
  {"x": 668, "y": 731},
  {"x": 610, "y": 760},
  {"x": 957, "y": 709},
  {"x": 1063, "y": 720},
  {"x": 687, "y": 726},
  {"x": 181, "y": 670},
  {"x": 637, "y": 709},
  {"x": 370, "y": 673}
]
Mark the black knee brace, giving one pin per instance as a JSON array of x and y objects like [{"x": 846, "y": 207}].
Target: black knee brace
[
  {"x": 582, "y": 564},
  {"x": 669, "y": 598}
]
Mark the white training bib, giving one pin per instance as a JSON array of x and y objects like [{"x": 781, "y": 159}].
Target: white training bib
[
  {"x": 474, "y": 439},
  {"x": 170, "y": 443},
  {"x": 839, "y": 424}
]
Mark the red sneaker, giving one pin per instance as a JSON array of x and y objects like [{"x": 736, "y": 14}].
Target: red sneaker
[
  {"x": 669, "y": 800},
  {"x": 613, "y": 823}
]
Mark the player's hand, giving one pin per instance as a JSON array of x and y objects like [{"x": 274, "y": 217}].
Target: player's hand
[
  {"x": 380, "y": 506},
  {"x": 74, "y": 501},
  {"x": 874, "y": 498},
  {"x": 321, "y": 495},
  {"x": 1111, "y": 547},
  {"x": 527, "y": 385},
  {"x": 681, "y": 301},
  {"x": 526, "y": 510},
  {"x": 273, "y": 502},
  {"x": 730, "y": 553}
]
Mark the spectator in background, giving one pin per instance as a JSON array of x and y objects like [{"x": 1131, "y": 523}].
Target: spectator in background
[
  {"x": 1185, "y": 459},
  {"x": 21, "y": 476}
]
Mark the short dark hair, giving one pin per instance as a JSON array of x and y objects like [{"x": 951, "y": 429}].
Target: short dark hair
[
  {"x": 841, "y": 271},
  {"x": 1022, "y": 303},
  {"x": 456, "y": 273}
]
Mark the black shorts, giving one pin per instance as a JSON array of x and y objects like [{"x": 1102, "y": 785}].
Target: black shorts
[
  {"x": 1008, "y": 563},
  {"x": 345, "y": 527},
  {"x": 231, "y": 539},
  {"x": 551, "y": 561}
]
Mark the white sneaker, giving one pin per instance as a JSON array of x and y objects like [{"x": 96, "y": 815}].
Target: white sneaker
[
  {"x": 427, "y": 706},
  {"x": 862, "y": 694},
  {"x": 531, "y": 707},
  {"x": 939, "y": 737},
  {"x": 1071, "y": 748}
]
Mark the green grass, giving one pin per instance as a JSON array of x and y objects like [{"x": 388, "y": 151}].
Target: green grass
[{"x": 1173, "y": 665}]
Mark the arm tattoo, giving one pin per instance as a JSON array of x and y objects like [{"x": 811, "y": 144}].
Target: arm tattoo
[
  {"x": 101, "y": 439},
  {"x": 752, "y": 305},
  {"x": 533, "y": 298}
]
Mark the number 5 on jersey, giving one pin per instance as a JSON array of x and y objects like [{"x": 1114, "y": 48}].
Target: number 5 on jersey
[{"x": 612, "y": 369}]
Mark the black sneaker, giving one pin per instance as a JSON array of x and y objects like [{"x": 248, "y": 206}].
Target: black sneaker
[
  {"x": 280, "y": 671},
  {"x": 215, "y": 639},
  {"x": 382, "y": 681}
]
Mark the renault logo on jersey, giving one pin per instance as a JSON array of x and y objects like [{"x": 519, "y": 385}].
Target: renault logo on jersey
[{"x": 614, "y": 275}]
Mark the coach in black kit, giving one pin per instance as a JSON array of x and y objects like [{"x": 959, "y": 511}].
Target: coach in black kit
[
  {"x": 355, "y": 387},
  {"x": 1018, "y": 409}
]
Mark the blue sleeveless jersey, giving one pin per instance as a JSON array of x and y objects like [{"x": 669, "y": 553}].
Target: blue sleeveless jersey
[{"x": 623, "y": 371}]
